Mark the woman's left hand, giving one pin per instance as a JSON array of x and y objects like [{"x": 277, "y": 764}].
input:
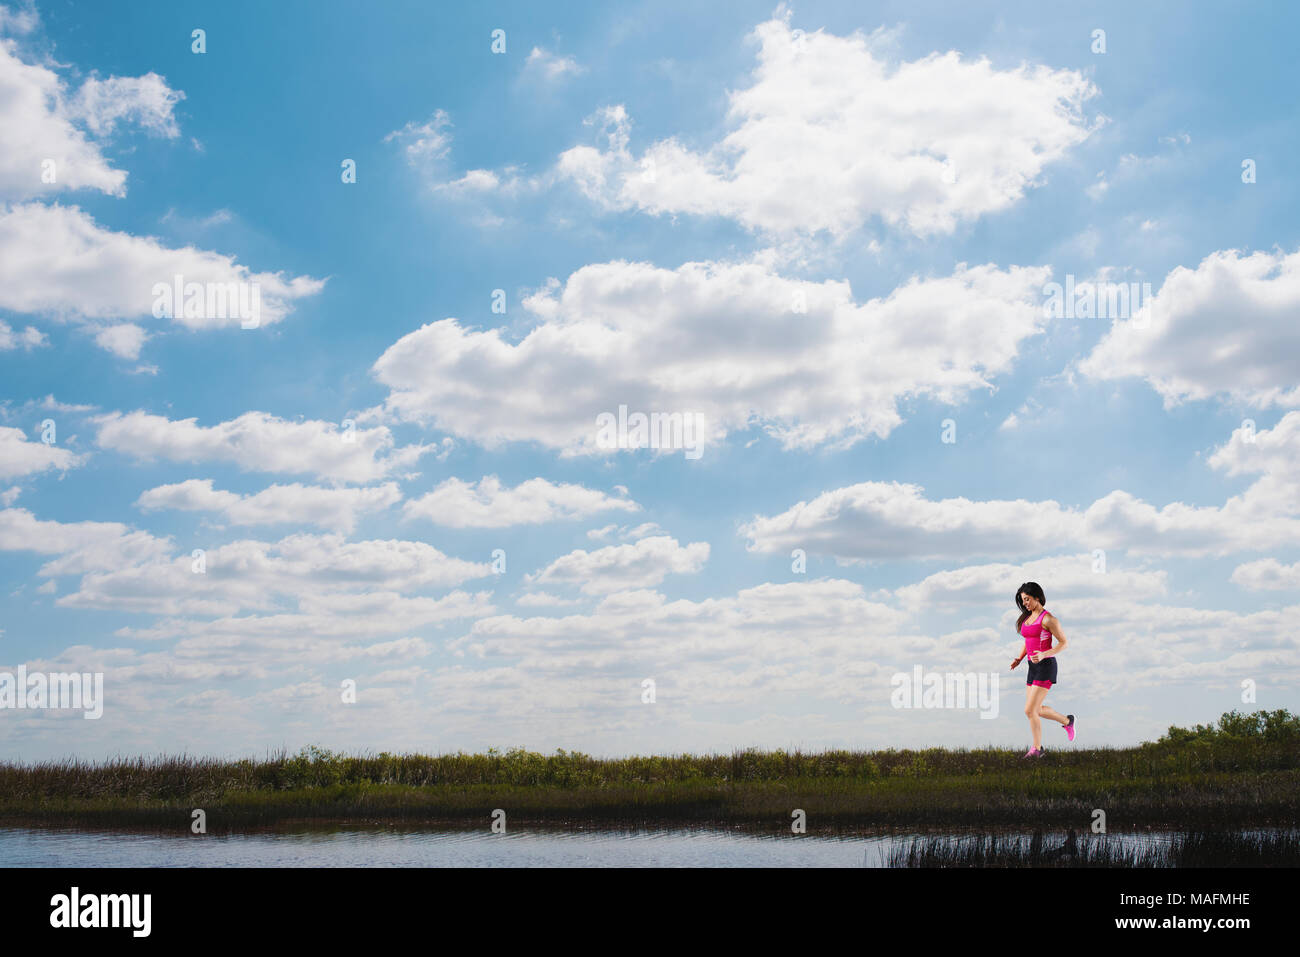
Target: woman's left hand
[{"x": 1036, "y": 657}]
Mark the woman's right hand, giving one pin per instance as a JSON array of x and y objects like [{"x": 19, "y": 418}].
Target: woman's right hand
[{"x": 1016, "y": 663}]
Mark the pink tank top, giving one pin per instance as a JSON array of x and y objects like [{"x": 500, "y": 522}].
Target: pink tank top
[{"x": 1037, "y": 638}]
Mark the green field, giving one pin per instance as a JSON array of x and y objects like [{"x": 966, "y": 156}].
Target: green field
[{"x": 1243, "y": 772}]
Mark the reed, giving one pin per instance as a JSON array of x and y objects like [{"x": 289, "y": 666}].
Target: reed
[{"x": 1194, "y": 849}]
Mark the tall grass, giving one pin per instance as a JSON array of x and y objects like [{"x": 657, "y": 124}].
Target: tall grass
[
  {"x": 1245, "y": 770},
  {"x": 1194, "y": 849}
]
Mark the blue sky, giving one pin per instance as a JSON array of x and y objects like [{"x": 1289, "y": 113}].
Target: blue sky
[{"x": 651, "y": 187}]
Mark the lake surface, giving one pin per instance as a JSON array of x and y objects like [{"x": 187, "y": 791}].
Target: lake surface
[{"x": 389, "y": 847}]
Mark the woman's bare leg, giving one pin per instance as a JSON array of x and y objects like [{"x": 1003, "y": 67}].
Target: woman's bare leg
[
  {"x": 1034, "y": 696},
  {"x": 1045, "y": 712}
]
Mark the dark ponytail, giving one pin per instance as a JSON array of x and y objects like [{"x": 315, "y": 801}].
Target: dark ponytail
[{"x": 1032, "y": 588}]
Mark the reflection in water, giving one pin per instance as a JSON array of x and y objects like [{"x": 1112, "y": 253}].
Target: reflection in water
[{"x": 388, "y": 847}]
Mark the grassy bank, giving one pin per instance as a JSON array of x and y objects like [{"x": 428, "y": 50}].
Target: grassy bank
[{"x": 1242, "y": 772}]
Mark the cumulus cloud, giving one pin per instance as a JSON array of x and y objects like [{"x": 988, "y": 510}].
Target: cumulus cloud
[
  {"x": 1225, "y": 328},
  {"x": 302, "y": 572},
  {"x": 258, "y": 442},
  {"x": 892, "y": 520},
  {"x": 1079, "y": 577},
  {"x": 49, "y": 127},
  {"x": 334, "y": 508},
  {"x": 765, "y": 650},
  {"x": 761, "y": 652},
  {"x": 320, "y": 622},
  {"x": 77, "y": 547},
  {"x": 269, "y": 604},
  {"x": 542, "y": 599},
  {"x": 733, "y": 342},
  {"x": 830, "y": 134},
  {"x": 124, "y": 340},
  {"x": 877, "y": 521},
  {"x": 623, "y": 567},
  {"x": 489, "y": 504},
  {"x": 19, "y": 456},
  {"x": 1267, "y": 574},
  {"x": 57, "y": 262},
  {"x": 781, "y": 620}
]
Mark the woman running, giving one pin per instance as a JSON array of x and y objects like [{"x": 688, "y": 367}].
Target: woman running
[{"x": 1038, "y": 636}]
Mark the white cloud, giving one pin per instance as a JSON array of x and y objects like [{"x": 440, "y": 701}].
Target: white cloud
[
  {"x": 1098, "y": 188},
  {"x": 426, "y": 144},
  {"x": 1267, "y": 574},
  {"x": 56, "y": 261},
  {"x": 397, "y": 649},
  {"x": 1225, "y": 328},
  {"x": 19, "y": 456},
  {"x": 551, "y": 66},
  {"x": 829, "y": 134},
  {"x": 890, "y": 520},
  {"x": 622, "y": 567},
  {"x": 43, "y": 119},
  {"x": 427, "y": 148},
  {"x": 19, "y": 21},
  {"x": 312, "y": 598},
  {"x": 29, "y": 338},
  {"x": 542, "y": 599},
  {"x": 321, "y": 622},
  {"x": 879, "y": 521},
  {"x": 78, "y": 546},
  {"x": 312, "y": 573},
  {"x": 767, "y": 650},
  {"x": 489, "y": 504},
  {"x": 820, "y": 636},
  {"x": 145, "y": 101},
  {"x": 734, "y": 342},
  {"x": 477, "y": 181},
  {"x": 334, "y": 508},
  {"x": 1274, "y": 452},
  {"x": 124, "y": 340},
  {"x": 258, "y": 442},
  {"x": 624, "y": 532},
  {"x": 51, "y": 404},
  {"x": 1078, "y": 577}
]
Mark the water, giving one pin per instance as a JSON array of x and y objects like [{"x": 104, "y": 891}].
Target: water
[{"x": 392, "y": 847}]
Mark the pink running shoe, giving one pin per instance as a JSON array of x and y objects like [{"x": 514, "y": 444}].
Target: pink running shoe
[
  {"x": 1069, "y": 728},
  {"x": 1034, "y": 753}
]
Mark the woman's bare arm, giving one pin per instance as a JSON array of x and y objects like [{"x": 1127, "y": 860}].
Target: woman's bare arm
[{"x": 1054, "y": 628}]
